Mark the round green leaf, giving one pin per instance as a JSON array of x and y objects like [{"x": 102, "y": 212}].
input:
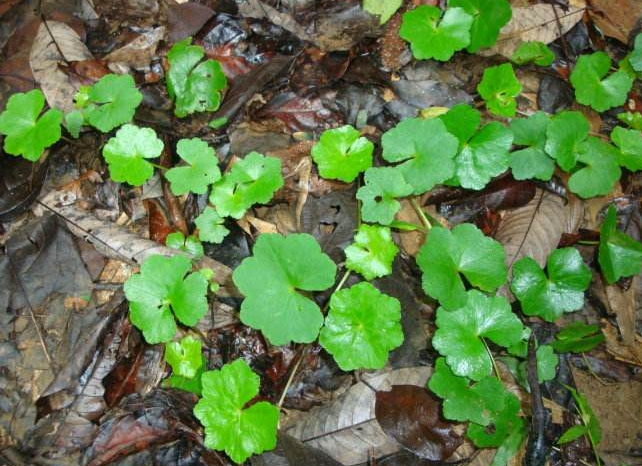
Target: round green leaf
[
  {"x": 426, "y": 149},
  {"x": 619, "y": 254},
  {"x": 383, "y": 185},
  {"x": 464, "y": 250},
  {"x": 191, "y": 244},
  {"x": 505, "y": 422},
  {"x": 532, "y": 161},
  {"x": 372, "y": 252},
  {"x": 342, "y": 154},
  {"x": 210, "y": 226},
  {"x": 562, "y": 291},
  {"x": 126, "y": 153},
  {"x": 161, "y": 289},
  {"x": 547, "y": 362},
  {"x": 629, "y": 142},
  {"x": 564, "y": 136},
  {"x": 462, "y": 122},
  {"x": 26, "y": 132},
  {"x": 202, "y": 169},
  {"x": 113, "y": 101},
  {"x": 594, "y": 88},
  {"x": 533, "y": 51},
  {"x": 460, "y": 332},
  {"x": 489, "y": 17},
  {"x": 228, "y": 426},
  {"x": 269, "y": 280},
  {"x": 184, "y": 356},
  {"x": 600, "y": 170},
  {"x": 499, "y": 87},
  {"x": 252, "y": 180},
  {"x": 431, "y": 37},
  {"x": 362, "y": 327}
]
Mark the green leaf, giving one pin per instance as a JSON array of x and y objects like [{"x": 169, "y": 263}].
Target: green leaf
[
  {"x": 433, "y": 36},
  {"x": 160, "y": 291},
  {"x": 565, "y": 134},
  {"x": 632, "y": 120},
  {"x": 629, "y": 141},
  {"x": 572, "y": 434},
  {"x": 426, "y": 149},
  {"x": 26, "y": 132},
  {"x": 499, "y": 87},
  {"x": 464, "y": 250},
  {"x": 547, "y": 362},
  {"x": 372, "y": 252},
  {"x": 562, "y": 291},
  {"x": 462, "y": 122},
  {"x": 217, "y": 123},
  {"x": 505, "y": 422},
  {"x": 73, "y": 122},
  {"x": 594, "y": 88},
  {"x": 362, "y": 327},
  {"x": 589, "y": 419},
  {"x": 382, "y": 186},
  {"x": 635, "y": 58},
  {"x": 511, "y": 444},
  {"x": 202, "y": 169},
  {"x": 252, "y": 180},
  {"x": 465, "y": 402},
  {"x": 489, "y": 17},
  {"x": 184, "y": 356},
  {"x": 270, "y": 281},
  {"x": 533, "y": 51},
  {"x": 228, "y": 426},
  {"x": 577, "y": 337},
  {"x": 483, "y": 157},
  {"x": 600, "y": 170},
  {"x": 126, "y": 153},
  {"x": 532, "y": 161},
  {"x": 195, "y": 86},
  {"x": 210, "y": 226},
  {"x": 111, "y": 102},
  {"x": 342, "y": 154},
  {"x": 459, "y": 333},
  {"x": 619, "y": 254},
  {"x": 192, "y": 385},
  {"x": 191, "y": 244},
  {"x": 382, "y": 8}
]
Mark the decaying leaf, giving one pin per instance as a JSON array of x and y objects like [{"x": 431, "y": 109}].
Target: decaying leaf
[
  {"x": 137, "y": 53},
  {"x": 623, "y": 304},
  {"x": 616, "y": 18}
]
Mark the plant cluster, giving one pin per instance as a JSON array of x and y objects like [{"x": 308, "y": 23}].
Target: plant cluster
[{"x": 461, "y": 268}]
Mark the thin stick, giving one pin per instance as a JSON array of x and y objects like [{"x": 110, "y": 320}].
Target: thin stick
[{"x": 420, "y": 213}]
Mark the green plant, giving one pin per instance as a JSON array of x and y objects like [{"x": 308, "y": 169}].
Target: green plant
[
  {"x": 202, "y": 169},
  {"x": 619, "y": 254},
  {"x": 499, "y": 87},
  {"x": 425, "y": 149},
  {"x": 446, "y": 255},
  {"x": 382, "y": 8},
  {"x": 533, "y": 51},
  {"x": 109, "y": 103},
  {"x": 188, "y": 384},
  {"x": 162, "y": 290},
  {"x": 577, "y": 337},
  {"x": 590, "y": 424},
  {"x": 489, "y": 16},
  {"x": 27, "y": 132},
  {"x": 632, "y": 120},
  {"x": 564, "y": 135},
  {"x": 372, "y": 252},
  {"x": 229, "y": 425},
  {"x": 550, "y": 296},
  {"x": 433, "y": 36},
  {"x": 184, "y": 356},
  {"x": 532, "y": 161},
  {"x": 362, "y": 327},
  {"x": 341, "y": 154},
  {"x": 271, "y": 279},
  {"x": 599, "y": 169},
  {"x": 482, "y": 154},
  {"x": 251, "y": 180},
  {"x": 383, "y": 185},
  {"x": 635, "y": 57},
  {"x": 210, "y": 226},
  {"x": 629, "y": 143},
  {"x": 191, "y": 244},
  {"x": 594, "y": 88},
  {"x": 194, "y": 85},
  {"x": 126, "y": 154}
]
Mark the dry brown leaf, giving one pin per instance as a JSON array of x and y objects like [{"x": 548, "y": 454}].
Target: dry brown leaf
[
  {"x": 53, "y": 38},
  {"x": 616, "y": 18},
  {"x": 536, "y": 23},
  {"x": 411, "y": 241},
  {"x": 631, "y": 354},
  {"x": 623, "y": 304},
  {"x": 137, "y": 53}
]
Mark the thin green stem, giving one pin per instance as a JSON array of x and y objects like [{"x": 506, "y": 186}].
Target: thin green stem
[
  {"x": 420, "y": 213},
  {"x": 155, "y": 165},
  {"x": 492, "y": 359}
]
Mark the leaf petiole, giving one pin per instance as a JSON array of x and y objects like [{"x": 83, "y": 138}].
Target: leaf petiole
[{"x": 420, "y": 213}]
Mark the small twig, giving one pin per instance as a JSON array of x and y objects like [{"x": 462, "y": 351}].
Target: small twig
[{"x": 420, "y": 213}]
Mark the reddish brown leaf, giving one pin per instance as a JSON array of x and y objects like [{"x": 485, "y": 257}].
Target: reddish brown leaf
[
  {"x": 159, "y": 226},
  {"x": 412, "y": 416}
]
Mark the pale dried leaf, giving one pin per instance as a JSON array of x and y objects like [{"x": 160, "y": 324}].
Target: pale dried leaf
[
  {"x": 45, "y": 59},
  {"x": 536, "y": 23},
  {"x": 622, "y": 303},
  {"x": 629, "y": 354},
  {"x": 411, "y": 241},
  {"x": 138, "y": 53}
]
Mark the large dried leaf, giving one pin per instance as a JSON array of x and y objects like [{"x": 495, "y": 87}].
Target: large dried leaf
[
  {"x": 623, "y": 304},
  {"x": 53, "y": 38},
  {"x": 616, "y": 18},
  {"x": 347, "y": 429},
  {"x": 542, "y": 22}
]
